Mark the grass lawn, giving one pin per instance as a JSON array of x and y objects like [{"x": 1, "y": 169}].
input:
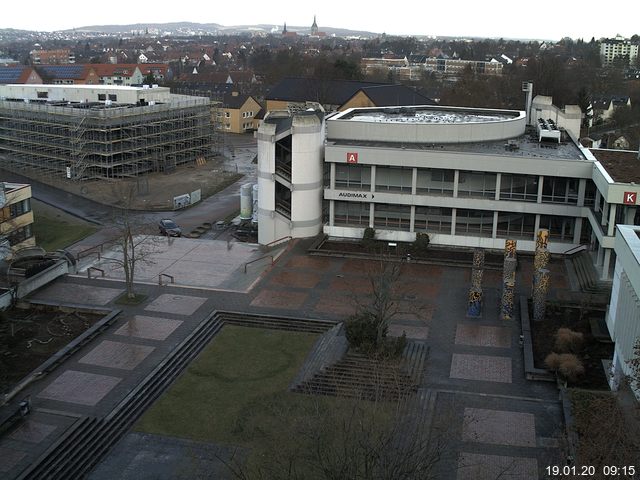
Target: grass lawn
[
  {"x": 55, "y": 229},
  {"x": 233, "y": 380},
  {"x": 235, "y": 393}
]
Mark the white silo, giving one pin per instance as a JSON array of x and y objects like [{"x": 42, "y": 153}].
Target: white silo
[{"x": 246, "y": 203}]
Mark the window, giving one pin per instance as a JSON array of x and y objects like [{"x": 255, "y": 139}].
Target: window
[
  {"x": 516, "y": 225},
  {"x": 353, "y": 176},
  {"x": 474, "y": 222},
  {"x": 102, "y": 97},
  {"x": 113, "y": 97},
  {"x": 560, "y": 190},
  {"x": 394, "y": 179},
  {"x": 560, "y": 228},
  {"x": 227, "y": 115},
  {"x": 43, "y": 94},
  {"x": 519, "y": 187},
  {"x": 477, "y": 184},
  {"x": 396, "y": 217},
  {"x": 433, "y": 219},
  {"x": 351, "y": 213},
  {"x": 435, "y": 181}
]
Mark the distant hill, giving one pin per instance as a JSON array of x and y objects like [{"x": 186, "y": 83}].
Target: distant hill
[{"x": 215, "y": 28}]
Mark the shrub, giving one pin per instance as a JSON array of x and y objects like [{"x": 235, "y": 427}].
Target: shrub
[
  {"x": 566, "y": 341},
  {"x": 552, "y": 361},
  {"x": 361, "y": 332},
  {"x": 571, "y": 368},
  {"x": 369, "y": 238},
  {"x": 421, "y": 244}
]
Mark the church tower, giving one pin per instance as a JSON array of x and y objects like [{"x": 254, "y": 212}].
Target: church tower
[{"x": 314, "y": 28}]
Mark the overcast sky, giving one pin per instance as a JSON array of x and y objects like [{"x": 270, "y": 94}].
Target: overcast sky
[{"x": 546, "y": 19}]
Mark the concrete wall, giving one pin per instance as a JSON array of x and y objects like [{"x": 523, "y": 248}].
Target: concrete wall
[
  {"x": 81, "y": 93},
  {"x": 397, "y": 132}
]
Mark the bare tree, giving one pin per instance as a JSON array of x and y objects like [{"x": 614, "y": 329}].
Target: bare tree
[{"x": 133, "y": 245}]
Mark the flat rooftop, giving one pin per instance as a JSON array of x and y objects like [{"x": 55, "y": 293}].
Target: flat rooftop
[
  {"x": 623, "y": 166},
  {"x": 428, "y": 115},
  {"x": 526, "y": 146}
]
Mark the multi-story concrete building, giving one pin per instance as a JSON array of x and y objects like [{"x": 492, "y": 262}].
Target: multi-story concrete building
[
  {"x": 623, "y": 314},
  {"x": 98, "y": 131},
  {"x": 60, "y": 56},
  {"x": 467, "y": 177},
  {"x": 619, "y": 47},
  {"x": 16, "y": 217}
]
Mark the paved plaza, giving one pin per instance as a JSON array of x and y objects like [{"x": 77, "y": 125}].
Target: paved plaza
[{"x": 498, "y": 423}]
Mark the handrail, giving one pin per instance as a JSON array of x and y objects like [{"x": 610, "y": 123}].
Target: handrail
[
  {"x": 89, "y": 251},
  {"x": 577, "y": 249},
  {"x": 255, "y": 260},
  {"x": 170, "y": 277},
  {"x": 96, "y": 269},
  {"x": 288, "y": 237}
]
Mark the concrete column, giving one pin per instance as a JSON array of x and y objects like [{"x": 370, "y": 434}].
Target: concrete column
[
  {"x": 597, "y": 200},
  {"x": 371, "y": 214},
  {"x": 498, "y": 181},
  {"x": 414, "y": 183},
  {"x": 612, "y": 219},
  {"x": 582, "y": 188},
  {"x": 605, "y": 213},
  {"x": 332, "y": 181},
  {"x": 600, "y": 255},
  {"x": 536, "y": 226},
  {"x": 494, "y": 230},
  {"x": 456, "y": 179},
  {"x": 453, "y": 221},
  {"x": 577, "y": 230},
  {"x": 373, "y": 178},
  {"x": 412, "y": 220},
  {"x": 605, "y": 264},
  {"x": 540, "y": 185},
  {"x": 332, "y": 211}
]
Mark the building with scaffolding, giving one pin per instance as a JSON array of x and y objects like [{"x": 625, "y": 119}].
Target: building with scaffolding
[{"x": 85, "y": 132}]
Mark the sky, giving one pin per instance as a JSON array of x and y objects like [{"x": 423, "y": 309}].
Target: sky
[{"x": 489, "y": 18}]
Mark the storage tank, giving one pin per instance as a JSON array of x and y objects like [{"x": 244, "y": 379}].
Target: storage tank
[
  {"x": 246, "y": 201},
  {"x": 254, "y": 216}
]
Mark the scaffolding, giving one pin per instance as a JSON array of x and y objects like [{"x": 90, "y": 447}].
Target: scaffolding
[{"x": 101, "y": 141}]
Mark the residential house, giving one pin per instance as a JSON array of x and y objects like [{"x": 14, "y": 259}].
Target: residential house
[
  {"x": 61, "y": 56},
  {"x": 19, "y": 74},
  {"x": 239, "y": 113},
  {"x": 68, "y": 74},
  {"x": 16, "y": 217},
  {"x": 604, "y": 106},
  {"x": 298, "y": 93}
]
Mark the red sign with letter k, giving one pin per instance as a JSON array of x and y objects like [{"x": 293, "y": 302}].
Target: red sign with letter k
[{"x": 630, "y": 198}]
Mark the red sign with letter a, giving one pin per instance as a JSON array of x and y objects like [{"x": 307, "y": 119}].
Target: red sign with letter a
[
  {"x": 630, "y": 198},
  {"x": 352, "y": 157}
]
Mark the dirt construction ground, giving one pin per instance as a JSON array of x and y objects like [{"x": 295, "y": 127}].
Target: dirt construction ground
[{"x": 155, "y": 191}]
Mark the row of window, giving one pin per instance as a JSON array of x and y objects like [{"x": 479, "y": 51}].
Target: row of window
[
  {"x": 439, "y": 219},
  {"x": 15, "y": 210},
  {"x": 470, "y": 183},
  {"x": 19, "y": 235}
]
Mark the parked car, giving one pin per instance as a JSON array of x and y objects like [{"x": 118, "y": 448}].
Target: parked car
[{"x": 170, "y": 228}]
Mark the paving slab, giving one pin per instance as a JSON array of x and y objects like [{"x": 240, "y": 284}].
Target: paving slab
[
  {"x": 296, "y": 279},
  {"x": 491, "y": 467},
  {"x": 499, "y": 427},
  {"x": 412, "y": 332},
  {"x": 151, "y": 328},
  {"x": 125, "y": 356},
  {"x": 304, "y": 261},
  {"x": 483, "y": 336},
  {"x": 280, "y": 299},
  {"x": 486, "y": 368},
  {"x": 85, "y": 294},
  {"x": 9, "y": 458},
  {"x": 32, "y": 432},
  {"x": 176, "y": 304},
  {"x": 79, "y": 387},
  {"x": 335, "y": 304}
]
